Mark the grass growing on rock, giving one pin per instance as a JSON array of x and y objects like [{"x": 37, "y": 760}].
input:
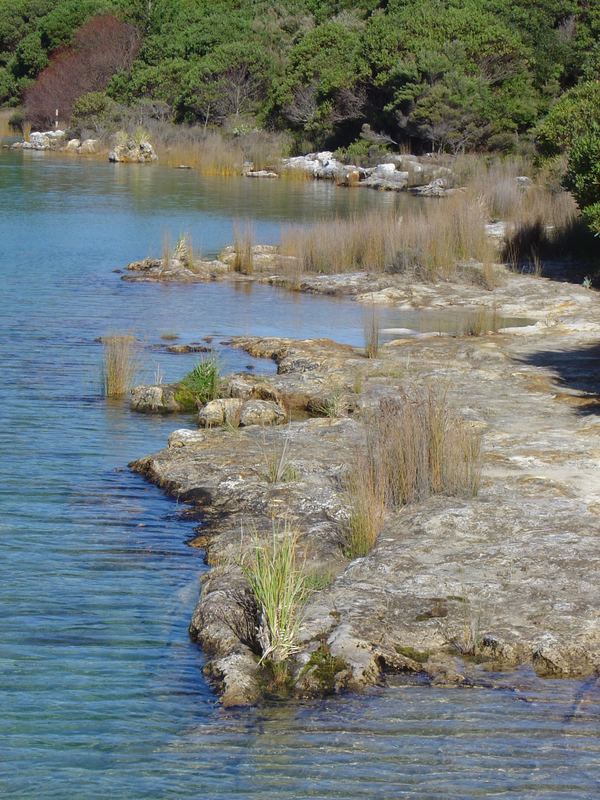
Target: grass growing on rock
[
  {"x": 280, "y": 585},
  {"x": 416, "y": 446},
  {"x": 200, "y": 385},
  {"x": 119, "y": 364}
]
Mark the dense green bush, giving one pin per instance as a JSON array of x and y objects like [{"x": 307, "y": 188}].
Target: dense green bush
[
  {"x": 434, "y": 74},
  {"x": 583, "y": 177}
]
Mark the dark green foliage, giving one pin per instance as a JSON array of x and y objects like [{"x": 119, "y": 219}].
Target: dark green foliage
[
  {"x": 433, "y": 74},
  {"x": 199, "y": 386},
  {"x": 583, "y": 177}
]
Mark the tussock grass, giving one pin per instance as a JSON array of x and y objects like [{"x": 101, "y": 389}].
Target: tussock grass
[
  {"x": 243, "y": 242},
  {"x": 279, "y": 468},
  {"x": 119, "y": 364},
  {"x": 280, "y": 585},
  {"x": 216, "y": 153},
  {"x": 200, "y": 385},
  {"x": 366, "y": 509},
  {"x": 418, "y": 445},
  {"x": 428, "y": 243}
]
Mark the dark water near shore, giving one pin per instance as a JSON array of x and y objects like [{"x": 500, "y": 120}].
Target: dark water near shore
[{"x": 101, "y": 692}]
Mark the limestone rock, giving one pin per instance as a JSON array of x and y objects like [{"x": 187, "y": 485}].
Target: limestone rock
[
  {"x": 129, "y": 151},
  {"x": 184, "y": 437},
  {"x": 154, "y": 399},
  {"x": 261, "y": 412},
  {"x": 220, "y": 412},
  {"x": 88, "y": 146}
]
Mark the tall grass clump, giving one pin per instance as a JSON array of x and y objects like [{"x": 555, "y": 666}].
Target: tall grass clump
[
  {"x": 428, "y": 242},
  {"x": 200, "y": 385},
  {"x": 119, "y": 364},
  {"x": 366, "y": 502},
  {"x": 280, "y": 586},
  {"x": 372, "y": 333},
  {"x": 243, "y": 242},
  {"x": 418, "y": 445}
]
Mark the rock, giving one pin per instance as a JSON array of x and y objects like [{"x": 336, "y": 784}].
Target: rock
[
  {"x": 261, "y": 412},
  {"x": 189, "y": 348},
  {"x": 247, "y": 387},
  {"x": 129, "y": 151},
  {"x": 154, "y": 399},
  {"x": 184, "y": 437},
  {"x": 73, "y": 145},
  {"x": 384, "y": 170},
  {"x": 391, "y": 181},
  {"x": 436, "y": 188},
  {"x": 88, "y": 146},
  {"x": 523, "y": 182},
  {"x": 44, "y": 140},
  {"x": 220, "y": 412},
  {"x": 260, "y": 173}
]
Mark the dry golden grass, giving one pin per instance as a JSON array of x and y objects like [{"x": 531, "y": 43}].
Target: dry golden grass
[
  {"x": 418, "y": 445},
  {"x": 213, "y": 152},
  {"x": 119, "y": 364},
  {"x": 367, "y": 510},
  {"x": 372, "y": 332},
  {"x": 243, "y": 242},
  {"x": 429, "y": 242}
]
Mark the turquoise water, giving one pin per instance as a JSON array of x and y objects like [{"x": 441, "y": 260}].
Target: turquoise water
[{"x": 101, "y": 691}]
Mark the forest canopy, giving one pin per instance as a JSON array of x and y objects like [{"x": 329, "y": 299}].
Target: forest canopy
[{"x": 452, "y": 75}]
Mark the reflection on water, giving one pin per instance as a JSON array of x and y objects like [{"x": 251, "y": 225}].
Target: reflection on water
[{"x": 101, "y": 691}]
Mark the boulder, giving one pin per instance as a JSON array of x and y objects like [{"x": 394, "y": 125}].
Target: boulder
[
  {"x": 154, "y": 399},
  {"x": 220, "y": 412},
  {"x": 88, "y": 146},
  {"x": 436, "y": 188},
  {"x": 237, "y": 412},
  {"x": 246, "y": 387},
  {"x": 73, "y": 146},
  {"x": 384, "y": 170},
  {"x": 45, "y": 140},
  {"x": 129, "y": 151},
  {"x": 261, "y": 412}
]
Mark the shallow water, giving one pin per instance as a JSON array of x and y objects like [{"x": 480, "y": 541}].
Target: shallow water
[{"x": 101, "y": 691}]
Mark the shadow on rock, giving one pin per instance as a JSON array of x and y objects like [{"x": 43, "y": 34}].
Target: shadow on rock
[{"x": 577, "y": 369}]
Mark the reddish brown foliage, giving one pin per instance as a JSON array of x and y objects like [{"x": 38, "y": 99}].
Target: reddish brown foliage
[{"x": 102, "y": 46}]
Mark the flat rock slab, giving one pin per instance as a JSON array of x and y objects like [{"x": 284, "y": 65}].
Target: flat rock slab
[{"x": 515, "y": 569}]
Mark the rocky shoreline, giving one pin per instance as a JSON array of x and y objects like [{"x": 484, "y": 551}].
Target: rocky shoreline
[{"x": 454, "y": 585}]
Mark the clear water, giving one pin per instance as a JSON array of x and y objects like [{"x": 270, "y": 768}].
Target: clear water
[{"x": 101, "y": 692}]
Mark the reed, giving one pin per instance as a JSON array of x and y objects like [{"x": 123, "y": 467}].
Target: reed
[{"x": 119, "y": 364}]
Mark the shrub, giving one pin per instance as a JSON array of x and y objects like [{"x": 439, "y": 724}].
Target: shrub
[{"x": 583, "y": 177}]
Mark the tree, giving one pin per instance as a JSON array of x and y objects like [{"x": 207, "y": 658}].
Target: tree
[{"x": 101, "y": 47}]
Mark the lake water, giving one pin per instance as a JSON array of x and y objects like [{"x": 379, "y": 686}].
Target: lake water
[{"x": 101, "y": 691}]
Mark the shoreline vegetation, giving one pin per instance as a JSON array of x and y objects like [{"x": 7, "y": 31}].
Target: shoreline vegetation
[{"x": 435, "y": 518}]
